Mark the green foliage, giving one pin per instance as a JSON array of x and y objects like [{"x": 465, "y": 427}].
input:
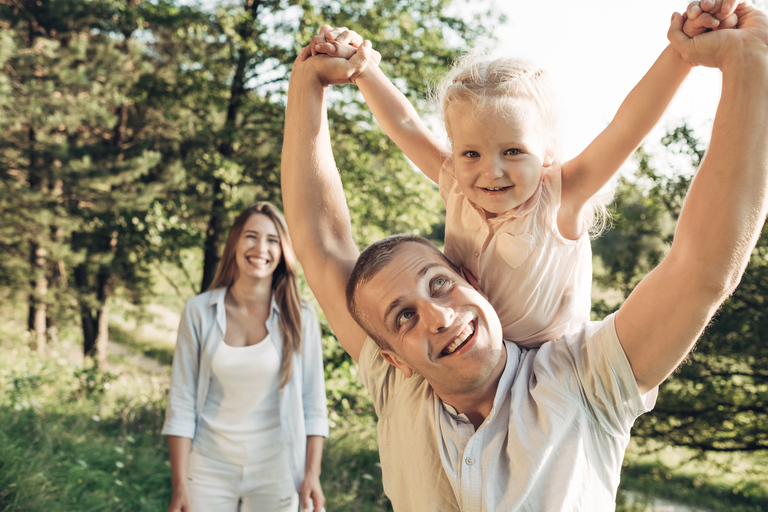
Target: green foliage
[
  {"x": 62, "y": 451},
  {"x": 90, "y": 382},
  {"x": 716, "y": 400},
  {"x": 136, "y": 131}
]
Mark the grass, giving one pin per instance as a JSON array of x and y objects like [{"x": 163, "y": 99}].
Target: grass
[
  {"x": 75, "y": 439},
  {"x": 725, "y": 481}
]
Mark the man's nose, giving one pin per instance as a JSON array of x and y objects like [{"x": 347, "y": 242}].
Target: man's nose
[{"x": 438, "y": 316}]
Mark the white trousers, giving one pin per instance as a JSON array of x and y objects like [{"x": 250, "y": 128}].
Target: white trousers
[{"x": 266, "y": 486}]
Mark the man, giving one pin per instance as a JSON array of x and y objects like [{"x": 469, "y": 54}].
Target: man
[{"x": 487, "y": 425}]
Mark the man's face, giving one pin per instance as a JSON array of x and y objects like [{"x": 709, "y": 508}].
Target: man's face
[{"x": 437, "y": 324}]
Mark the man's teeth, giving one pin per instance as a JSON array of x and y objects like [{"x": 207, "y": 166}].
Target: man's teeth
[{"x": 461, "y": 338}]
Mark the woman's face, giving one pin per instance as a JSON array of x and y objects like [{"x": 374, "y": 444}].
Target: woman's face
[{"x": 258, "y": 249}]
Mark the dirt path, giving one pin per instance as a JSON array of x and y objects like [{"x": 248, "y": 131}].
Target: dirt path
[{"x": 145, "y": 363}]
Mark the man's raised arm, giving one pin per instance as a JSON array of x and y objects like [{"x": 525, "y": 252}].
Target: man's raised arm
[
  {"x": 313, "y": 198},
  {"x": 723, "y": 213}
]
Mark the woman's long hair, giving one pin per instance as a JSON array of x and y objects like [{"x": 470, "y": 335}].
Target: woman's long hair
[{"x": 285, "y": 283}]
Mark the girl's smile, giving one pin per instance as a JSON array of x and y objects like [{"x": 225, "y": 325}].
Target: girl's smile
[{"x": 499, "y": 159}]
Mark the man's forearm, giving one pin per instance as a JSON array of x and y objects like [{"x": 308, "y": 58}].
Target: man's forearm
[
  {"x": 726, "y": 206},
  {"x": 313, "y": 196},
  {"x": 722, "y": 217},
  {"x": 310, "y": 184}
]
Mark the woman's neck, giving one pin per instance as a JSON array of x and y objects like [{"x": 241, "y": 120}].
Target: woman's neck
[{"x": 247, "y": 293}]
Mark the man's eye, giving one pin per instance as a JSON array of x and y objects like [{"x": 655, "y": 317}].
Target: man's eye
[
  {"x": 439, "y": 283},
  {"x": 404, "y": 317}
]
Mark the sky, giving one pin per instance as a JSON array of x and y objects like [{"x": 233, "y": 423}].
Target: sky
[{"x": 596, "y": 51}]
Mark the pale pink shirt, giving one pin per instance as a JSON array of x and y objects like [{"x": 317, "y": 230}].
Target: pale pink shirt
[{"x": 538, "y": 281}]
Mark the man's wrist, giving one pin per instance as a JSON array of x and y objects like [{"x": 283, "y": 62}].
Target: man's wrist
[
  {"x": 305, "y": 76},
  {"x": 747, "y": 60}
]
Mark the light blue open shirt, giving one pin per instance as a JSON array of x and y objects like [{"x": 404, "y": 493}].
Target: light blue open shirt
[{"x": 303, "y": 410}]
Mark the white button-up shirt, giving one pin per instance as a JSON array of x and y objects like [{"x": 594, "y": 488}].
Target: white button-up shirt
[{"x": 554, "y": 440}]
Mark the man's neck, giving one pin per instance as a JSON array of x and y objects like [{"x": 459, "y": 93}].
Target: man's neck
[{"x": 477, "y": 404}]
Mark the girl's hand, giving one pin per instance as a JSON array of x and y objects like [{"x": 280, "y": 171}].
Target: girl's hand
[
  {"x": 339, "y": 42},
  {"x": 472, "y": 280},
  {"x": 705, "y": 15}
]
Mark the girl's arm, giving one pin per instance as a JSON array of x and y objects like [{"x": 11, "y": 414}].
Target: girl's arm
[
  {"x": 389, "y": 106},
  {"x": 401, "y": 122},
  {"x": 585, "y": 175}
]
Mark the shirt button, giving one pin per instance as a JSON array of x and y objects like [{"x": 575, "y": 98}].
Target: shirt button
[
  {"x": 469, "y": 461},
  {"x": 477, "y": 253}
]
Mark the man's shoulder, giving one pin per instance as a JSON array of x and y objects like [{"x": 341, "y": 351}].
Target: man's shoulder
[{"x": 573, "y": 352}]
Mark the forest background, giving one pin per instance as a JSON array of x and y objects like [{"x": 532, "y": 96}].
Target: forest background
[{"x": 133, "y": 131}]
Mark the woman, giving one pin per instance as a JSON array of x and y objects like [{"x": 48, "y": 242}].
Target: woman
[{"x": 246, "y": 411}]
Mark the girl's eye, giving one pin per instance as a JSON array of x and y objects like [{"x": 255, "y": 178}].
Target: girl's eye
[
  {"x": 513, "y": 152},
  {"x": 471, "y": 154},
  {"x": 404, "y": 317},
  {"x": 274, "y": 241}
]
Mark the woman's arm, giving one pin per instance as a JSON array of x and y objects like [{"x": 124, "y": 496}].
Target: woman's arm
[
  {"x": 310, "y": 486},
  {"x": 179, "y": 448}
]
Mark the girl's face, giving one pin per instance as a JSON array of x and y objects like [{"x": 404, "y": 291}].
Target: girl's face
[
  {"x": 499, "y": 159},
  {"x": 258, "y": 249}
]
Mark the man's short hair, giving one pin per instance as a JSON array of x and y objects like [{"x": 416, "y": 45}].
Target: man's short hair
[{"x": 374, "y": 258}]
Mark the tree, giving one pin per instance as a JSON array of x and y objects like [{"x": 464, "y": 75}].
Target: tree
[
  {"x": 716, "y": 401},
  {"x": 235, "y": 84},
  {"x": 77, "y": 154}
]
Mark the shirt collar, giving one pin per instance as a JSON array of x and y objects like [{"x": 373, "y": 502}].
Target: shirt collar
[{"x": 217, "y": 300}]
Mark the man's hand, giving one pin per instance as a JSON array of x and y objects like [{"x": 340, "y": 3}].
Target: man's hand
[
  {"x": 339, "y": 42},
  {"x": 336, "y": 70},
  {"x": 716, "y": 48}
]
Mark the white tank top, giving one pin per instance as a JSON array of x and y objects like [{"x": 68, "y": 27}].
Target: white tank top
[{"x": 240, "y": 421}]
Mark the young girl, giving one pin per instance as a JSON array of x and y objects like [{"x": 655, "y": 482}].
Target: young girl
[
  {"x": 517, "y": 218},
  {"x": 246, "y": 411}
]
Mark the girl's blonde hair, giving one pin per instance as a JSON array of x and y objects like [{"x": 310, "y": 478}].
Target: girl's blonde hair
[
  {"x": 495, "y": 86},
  {"x": 285, "y": 283}
]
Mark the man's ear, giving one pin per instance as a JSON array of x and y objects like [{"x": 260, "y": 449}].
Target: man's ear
[{"x": 398, "y": 363}]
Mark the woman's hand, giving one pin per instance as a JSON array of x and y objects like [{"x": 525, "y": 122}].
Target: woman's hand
[
  {"x": 311, "y": 491},
  {"x": 179, "y": 500}
]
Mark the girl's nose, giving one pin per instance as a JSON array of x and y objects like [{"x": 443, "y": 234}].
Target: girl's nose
[{"x": 493, "y": 169}]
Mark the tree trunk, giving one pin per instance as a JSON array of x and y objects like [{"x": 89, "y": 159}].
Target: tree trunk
[
  {"x": 103, "y": 294},
  {"x": 212, "y": 247},
  {"x": 86, "y": 315},
  {"x": 214, "y": 233},
  {"x": 38, "y": 283}
]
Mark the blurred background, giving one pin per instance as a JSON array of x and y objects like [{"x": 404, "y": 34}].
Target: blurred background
[{"x": 133, "y": 132}]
